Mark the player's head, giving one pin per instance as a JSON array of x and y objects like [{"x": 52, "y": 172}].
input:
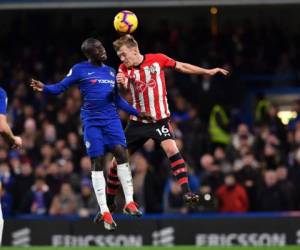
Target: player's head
[
  {"x": 94, "y": 50},
  {"x": 127, "y": 50}
]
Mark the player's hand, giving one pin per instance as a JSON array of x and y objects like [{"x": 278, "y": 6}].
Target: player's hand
[
  {"x": 218, "y": 70},
  {"x": 145, "y": 116},
  {"x": 121, "y": 79},
  {"x": 36, "y": 85},
  {"x": 17, "y": 142}
]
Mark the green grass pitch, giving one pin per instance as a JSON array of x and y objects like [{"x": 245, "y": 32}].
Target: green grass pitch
[{"x": 155, "y": 248}]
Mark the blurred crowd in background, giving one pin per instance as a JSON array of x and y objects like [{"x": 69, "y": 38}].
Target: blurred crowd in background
[{"x": 236, "y": 167}]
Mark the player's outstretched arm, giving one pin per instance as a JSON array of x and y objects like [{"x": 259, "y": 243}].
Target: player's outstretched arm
[
  {"x": 8, "y": 135},
  {"x": 36, "y": 85},
  {"x": 193, "y": 69},
  {"x": 57, "y": 88},
  {"x": 54, "y": 89}
]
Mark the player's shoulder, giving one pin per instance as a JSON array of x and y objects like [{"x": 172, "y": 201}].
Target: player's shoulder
[
  {"x": 78, "y": 68},
  {"x": 155, "y": 57},
  {"x": 80, "y": 65},
  {"x": 109, "y": 68}
]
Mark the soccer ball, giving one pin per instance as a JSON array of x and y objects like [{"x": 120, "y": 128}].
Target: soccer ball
[{"x": 125, "y": 22}]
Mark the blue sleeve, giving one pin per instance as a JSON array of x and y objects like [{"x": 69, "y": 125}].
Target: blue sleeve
[
  {"x": 124, "y": 105},
  {"x": 3, "y": 101},
  {"x": 60, "y": 87}
]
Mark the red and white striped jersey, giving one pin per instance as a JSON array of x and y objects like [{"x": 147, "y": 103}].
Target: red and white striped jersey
[{"x": 147, "y": 85}]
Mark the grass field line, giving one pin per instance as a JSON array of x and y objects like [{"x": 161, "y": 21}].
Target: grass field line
[{"x": 156, "y": 248}]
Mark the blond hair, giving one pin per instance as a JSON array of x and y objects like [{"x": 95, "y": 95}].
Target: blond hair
[{"x": 127, "y": 40}]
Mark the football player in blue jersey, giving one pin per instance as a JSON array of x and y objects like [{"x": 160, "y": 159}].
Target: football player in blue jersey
[
  {"x": 14, "y": 141},
  {"x": 102, "y": 127}
]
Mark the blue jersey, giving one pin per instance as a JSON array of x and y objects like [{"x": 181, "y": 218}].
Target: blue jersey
[
  {"x": 99, "y": 91},
  {"x": 3, "y": 101}
]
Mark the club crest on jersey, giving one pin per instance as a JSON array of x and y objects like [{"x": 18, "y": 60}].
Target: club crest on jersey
[
  {"x": 152, "y": 69},
  {"x": 141, "y": 86},
  {"x": 112, "y": 73}
]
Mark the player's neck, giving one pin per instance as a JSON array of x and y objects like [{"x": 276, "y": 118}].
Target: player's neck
[
  {"x": 96, "y": 63},
  {"x": 140, "y": 59}
]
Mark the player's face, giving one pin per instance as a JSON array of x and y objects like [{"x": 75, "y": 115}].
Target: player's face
[
  {"x": 97, "y": 53},
  {"x": 128, "y": 56}
]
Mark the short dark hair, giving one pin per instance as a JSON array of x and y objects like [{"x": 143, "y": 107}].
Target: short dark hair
[
  {"x": 127, "y": 40},
  {"x": 87, "y": 43}
]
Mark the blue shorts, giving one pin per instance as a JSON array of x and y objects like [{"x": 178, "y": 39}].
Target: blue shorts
[{"x": 102, "y": 136}]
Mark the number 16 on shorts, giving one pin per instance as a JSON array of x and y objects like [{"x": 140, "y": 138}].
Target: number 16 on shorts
[{"x": 163, "y": 131}]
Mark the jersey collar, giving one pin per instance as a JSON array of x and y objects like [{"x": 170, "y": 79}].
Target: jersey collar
[{"x": 139, "y": 65}]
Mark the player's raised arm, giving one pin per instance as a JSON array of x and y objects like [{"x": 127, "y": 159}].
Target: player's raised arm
[
  {"x": 58, "y": 88},
  {"x": 193, "y": 69}
]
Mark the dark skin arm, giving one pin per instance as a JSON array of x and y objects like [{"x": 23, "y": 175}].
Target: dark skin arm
[{"x": 36, "y": 85}]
